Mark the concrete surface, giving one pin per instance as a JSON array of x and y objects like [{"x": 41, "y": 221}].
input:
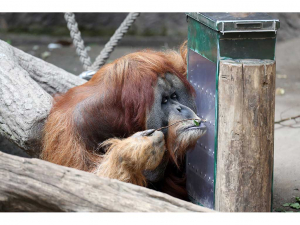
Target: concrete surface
[{"x": 287, "y": 139}]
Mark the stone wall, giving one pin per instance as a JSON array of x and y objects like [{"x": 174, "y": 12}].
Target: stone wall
[
  {"x": 104, "y": 24},
  {"x": 94, "y": 24}
]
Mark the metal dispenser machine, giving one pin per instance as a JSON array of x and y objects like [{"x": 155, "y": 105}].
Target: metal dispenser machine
[{"x": 213, "y": 37}]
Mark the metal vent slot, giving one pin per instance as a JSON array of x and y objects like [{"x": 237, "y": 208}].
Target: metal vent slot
[{"x": 245, "y": 26}]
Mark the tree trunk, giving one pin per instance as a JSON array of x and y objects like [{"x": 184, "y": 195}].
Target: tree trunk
[
  {"x": 245, "y": 135},
  {"x": 24, "y": 103},
  {"x": 36, "y": 185}
]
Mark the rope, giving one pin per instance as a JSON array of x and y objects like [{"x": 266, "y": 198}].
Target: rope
[
  {"x": 109, "y": 47},
  {"x": 106, "y": 51},
  {"x": 77, "y": 40}
]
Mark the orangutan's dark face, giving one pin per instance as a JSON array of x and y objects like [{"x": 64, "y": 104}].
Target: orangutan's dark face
[{"x": 173, "y": 103}]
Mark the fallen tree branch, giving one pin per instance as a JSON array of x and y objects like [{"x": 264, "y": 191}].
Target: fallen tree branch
[
  {"x": 286, "y": 119},
  {"x": 24, "y": 105},
  {"x": 26, "y": 86},
  {"x": 51, "y": 78},
  {"x": 36, "y": 185}
]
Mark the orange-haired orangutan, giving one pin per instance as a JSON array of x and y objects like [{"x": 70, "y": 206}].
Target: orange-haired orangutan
[{"x": 105, "y": 126}]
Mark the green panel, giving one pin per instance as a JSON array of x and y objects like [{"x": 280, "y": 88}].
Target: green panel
[
  {"x": 201, "y": 18},
  {"x": 203, "y": 40},
  {"x": 258, "y": 45}
]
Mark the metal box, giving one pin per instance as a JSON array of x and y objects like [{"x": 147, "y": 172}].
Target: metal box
[{"x": 212, "y": 37}]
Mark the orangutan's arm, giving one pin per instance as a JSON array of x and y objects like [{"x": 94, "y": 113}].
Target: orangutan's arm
[{"x": 126, "y": 159}]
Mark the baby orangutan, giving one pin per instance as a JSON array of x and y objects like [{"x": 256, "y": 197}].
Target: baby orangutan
[{"x": 108, "y": 125}]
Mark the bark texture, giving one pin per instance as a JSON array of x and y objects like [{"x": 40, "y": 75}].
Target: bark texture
[
  {"x": 36, "y": 185},
  {"x": 26, "y": 85},
  {"x": 245, "y": 135}
]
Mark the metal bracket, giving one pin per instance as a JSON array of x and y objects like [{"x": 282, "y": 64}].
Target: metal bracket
[
  {"x": 246, "y": 26},
  {"x": 87, "y": 75}
]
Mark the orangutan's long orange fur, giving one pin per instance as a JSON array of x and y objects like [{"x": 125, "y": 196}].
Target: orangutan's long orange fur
[{"x": 123, "y": 91}]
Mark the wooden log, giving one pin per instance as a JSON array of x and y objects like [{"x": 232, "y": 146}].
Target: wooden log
[
  {"x": 26, "y": 86},
  {"x": 24, "y": 106},
  {"x": 36, "y": 185},
  {"x": 51, "y": 78},
  {"x": 245, "y": 135}
]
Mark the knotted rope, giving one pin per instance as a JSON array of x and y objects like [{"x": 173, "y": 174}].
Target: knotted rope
[
  {"x": 77, "y": 40},
  {"x": 109, "y": 47},
  {"x": 106, "y": 51}
]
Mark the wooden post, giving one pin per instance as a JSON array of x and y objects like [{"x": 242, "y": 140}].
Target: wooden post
[{"x": 245, "y": 136}]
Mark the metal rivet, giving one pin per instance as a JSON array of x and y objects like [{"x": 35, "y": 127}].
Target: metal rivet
[
  {"x": 205, "y": 147},
  {"x": 189, "y": 164},
  {"x": 208, "y": 178},
  {"x": 204, "y": 175},
  {"x": 198, "y": 86},
  {"x": 209, "y": 149}
]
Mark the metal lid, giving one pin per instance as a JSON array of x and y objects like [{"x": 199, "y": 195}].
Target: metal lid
[{"x": 237, "y": 22}]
